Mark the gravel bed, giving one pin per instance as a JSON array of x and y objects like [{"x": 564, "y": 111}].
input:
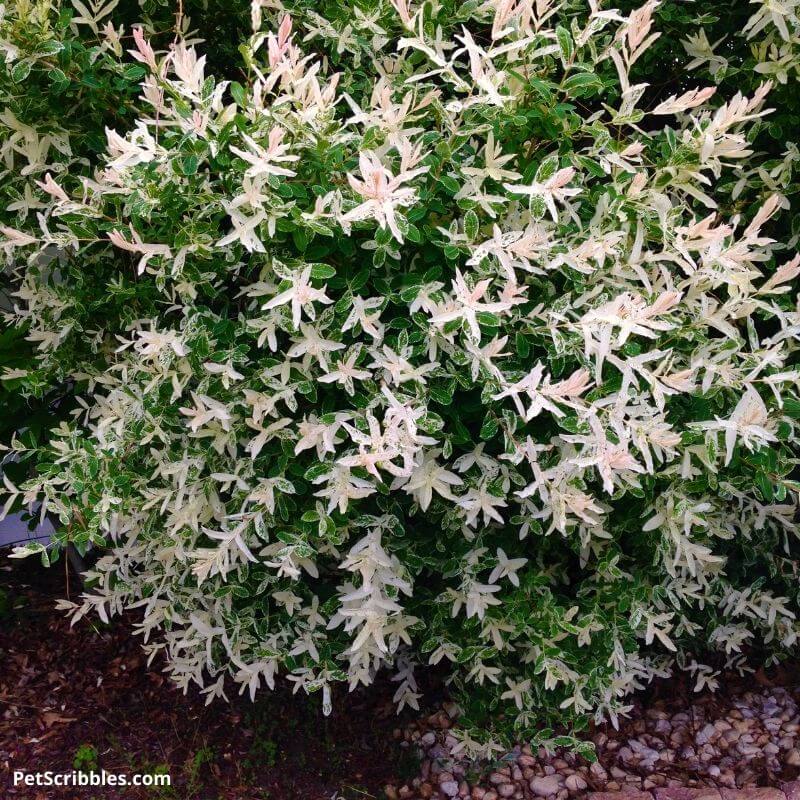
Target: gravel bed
[{"x": 748, "y": 740}]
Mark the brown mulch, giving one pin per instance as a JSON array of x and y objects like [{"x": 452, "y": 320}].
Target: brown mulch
[{"x": 86, "y": 693}]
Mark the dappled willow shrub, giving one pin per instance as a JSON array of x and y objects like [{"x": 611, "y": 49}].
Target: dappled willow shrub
[{"x": 426, "y": 333}]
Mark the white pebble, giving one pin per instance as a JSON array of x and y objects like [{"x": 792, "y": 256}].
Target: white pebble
[{"x": 544, "y": 787}]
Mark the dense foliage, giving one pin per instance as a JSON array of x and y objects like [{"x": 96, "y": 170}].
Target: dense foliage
[{"x": 405, "y": 333}]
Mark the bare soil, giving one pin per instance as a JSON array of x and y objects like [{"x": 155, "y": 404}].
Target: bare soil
[{"x": 84, "y": 696}]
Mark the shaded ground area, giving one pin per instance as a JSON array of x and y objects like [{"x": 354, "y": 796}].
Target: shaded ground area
[{"x": 84, "y": 697}]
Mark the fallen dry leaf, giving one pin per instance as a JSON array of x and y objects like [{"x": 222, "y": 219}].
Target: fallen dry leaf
[{"x": 50, "y": 718}]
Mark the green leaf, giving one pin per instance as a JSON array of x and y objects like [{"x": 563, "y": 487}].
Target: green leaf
[
  {"x": 471, "y": 225},
  {"x": 322, "y": 272},
  {"x": 451, "y": 184},
  {"x": 58, "y": 79},
  {"x": 20, "y": 71},
  {"x": 488, "y": 319},
  {"x": 537, "y": 206},
  {"x": 591, "y": 166},
  {"x": 50, "y": 48},
  {"x": 134, "y": 72},
  {"x": 565, "y": 44},
  {"x": 489, "y": 428},
  {"x": 791, "y": 408},
  {"x": 189, "y": 165},
  {"x": 413, "y": 234},
  {"x": 547, "y": 169},
  {"x": 239, "y": 94},
  {"x": 765, "y": 486},
  {"x": 581, "y": 83},
  {"x": 316, "y": 471},
  {"x": 300, "y": 239}
]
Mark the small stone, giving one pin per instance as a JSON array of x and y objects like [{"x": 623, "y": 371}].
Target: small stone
[
  {"x": 444, "y": 721},
  {"x": 450, "y": 788},
  {"x": 545, "y": 786},
  {"x": 428, "y": 739},
  {"x": 598, "y": 772},
  {"x": 426, "y": 791},
  {"x": 629, "y": 795},
  {"x": 618, "y": 773},
  {"x": 506, "y": 790},
  {"x": 791, "y": 790},
  {"x": 575, "y": 783},
  {"x": 752, "y": 793},
  {"x": 662, "y": 726},
  {"x": 705, "y": 735},
  {"x": 792, "y": 758},
  {"x": 451, "y": 709},
  {"x": 683, "y": 793},
  {"x": 727, "y": 779}
]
